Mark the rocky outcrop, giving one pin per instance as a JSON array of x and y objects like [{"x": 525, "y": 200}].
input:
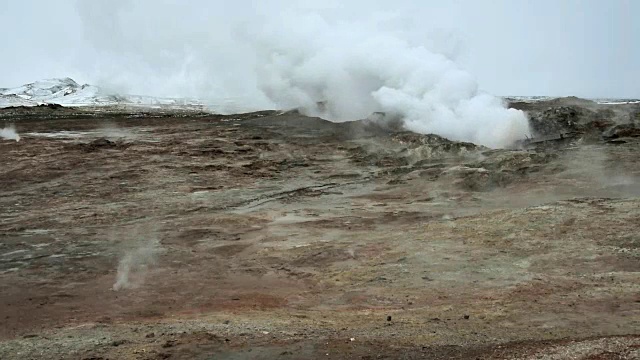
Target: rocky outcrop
[
  {"x": 622, "y": 131},
  {"x": 559, "y": 120},
  {"x": 428, "y": 146}
]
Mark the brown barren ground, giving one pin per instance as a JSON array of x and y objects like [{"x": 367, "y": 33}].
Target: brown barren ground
[{"x": 272, "y": 235}]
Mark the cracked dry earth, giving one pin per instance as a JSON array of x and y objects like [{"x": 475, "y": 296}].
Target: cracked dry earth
[{"x": 273, "y": 235}]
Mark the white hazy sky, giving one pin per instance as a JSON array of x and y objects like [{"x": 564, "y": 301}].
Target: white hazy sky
[{"x": 588, "y": 48}]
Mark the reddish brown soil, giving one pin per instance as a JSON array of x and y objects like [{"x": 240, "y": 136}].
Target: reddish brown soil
[{"x": 278, "y": 236}]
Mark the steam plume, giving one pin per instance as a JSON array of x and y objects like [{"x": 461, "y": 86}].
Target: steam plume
[
  {"x": 9, "y": 133},
  {"x": 285, "y": 55}
]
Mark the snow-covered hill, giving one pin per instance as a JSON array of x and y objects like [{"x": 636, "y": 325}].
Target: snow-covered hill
[
  {"x": 67, "y": 92},
  {"x": 603, "y": 101}
]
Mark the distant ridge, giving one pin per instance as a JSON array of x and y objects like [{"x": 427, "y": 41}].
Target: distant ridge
[
  {"x": 67, "y": 92},
  {"x": 572, "y": 99}
]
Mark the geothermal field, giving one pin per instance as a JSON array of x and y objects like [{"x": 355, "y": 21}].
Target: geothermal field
[{"x": 170, "y": 232}]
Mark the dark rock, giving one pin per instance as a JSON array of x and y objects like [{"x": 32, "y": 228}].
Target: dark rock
[
  {"x": 558, "y": 120},
  {"x": 428, "y": 146},
  {"x": 169, "y": 343},
  {"x": 51, "y": 106},
  {"x": 549, "y": 141},
  {"x": 622, "y": 130},
  {"x": 98, "y": 144},
  {"x": 389, "y": 318},
  {"x": 102, "y": 142}
]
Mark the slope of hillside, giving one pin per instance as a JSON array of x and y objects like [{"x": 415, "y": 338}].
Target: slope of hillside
[{"x": 67, "y": 92}]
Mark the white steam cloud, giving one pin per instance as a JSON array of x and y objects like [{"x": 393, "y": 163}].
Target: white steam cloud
[
  {"x": 9, "y": 133},
  {"x": 287, "y": 54}
]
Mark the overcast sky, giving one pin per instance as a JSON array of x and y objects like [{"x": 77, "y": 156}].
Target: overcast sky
[{"x": 588, "y": 48}]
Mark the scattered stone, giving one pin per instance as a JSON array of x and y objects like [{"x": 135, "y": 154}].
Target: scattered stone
[
  {"x": 621, "y": 131},
  {"x": 97, "y": 144},
  {"x": 101, "y": 142},
  {"x": 118, "y": 342},
  {"x": 169, "y": 343}
]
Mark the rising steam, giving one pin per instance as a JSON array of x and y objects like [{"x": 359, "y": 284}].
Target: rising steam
[
  {"x": 9, "y": 133},
  {"x": 139, "y": 255},
  {"x": 283, "y": 55}
]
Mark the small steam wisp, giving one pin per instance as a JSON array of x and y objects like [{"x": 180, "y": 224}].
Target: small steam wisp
[
  {"x": 135, "y": 263},
  {"x": 9, "y": 133}
]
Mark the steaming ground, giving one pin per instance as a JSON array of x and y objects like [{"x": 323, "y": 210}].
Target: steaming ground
[
  {"x": 450, "y": 105},
  {"x": 9, "y": 133},
  {"x": 138, "y": 256},
  {"x": 165, "y": 234},
  {"x": 338, "y": 65}
]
